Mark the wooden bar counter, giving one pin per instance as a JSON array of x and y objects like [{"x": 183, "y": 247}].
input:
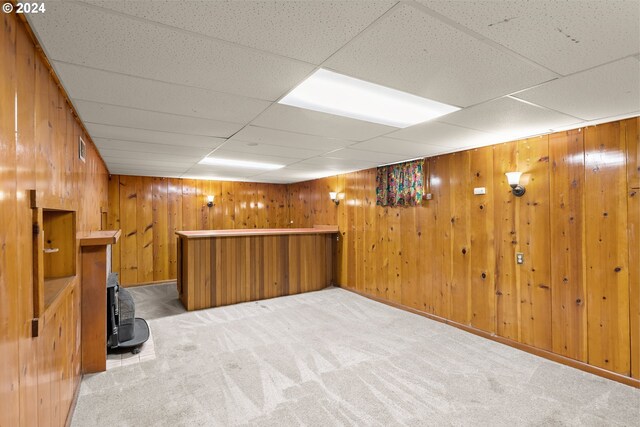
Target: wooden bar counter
[{"x": 221, "y": 267}]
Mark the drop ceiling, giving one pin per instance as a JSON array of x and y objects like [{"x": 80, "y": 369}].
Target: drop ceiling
[{"x": 162, "y": 84}]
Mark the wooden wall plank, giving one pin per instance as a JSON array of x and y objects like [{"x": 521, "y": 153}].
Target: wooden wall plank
[
  {"x": 161, "y": 234},
  {"x": 144, "y": 220},
  {"x": 460, "y": 280},
  {"x": 567, "y": 250},
  {"x": 632, "y": 127},
  {"x": 607, "y": 248},
  {"x": 131, "y": 236},
  {"x": 25, "y": 180},
  {"x": 113, "y": 218},
  {"x": 174, "y": 218},
  {"x": 482, "y": 242},
  {"x": 533, "y": 242},
  {"x": 506, "y": 241},
  {"x": 9, "y": 326}
]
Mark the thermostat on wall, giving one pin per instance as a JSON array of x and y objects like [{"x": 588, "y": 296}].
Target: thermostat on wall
[{"x": 479, "y": 190}]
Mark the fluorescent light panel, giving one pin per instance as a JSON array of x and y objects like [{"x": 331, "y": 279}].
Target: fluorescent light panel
[
  {"x": 334, "y": 93},
  {"x": 244, "y": 164}
]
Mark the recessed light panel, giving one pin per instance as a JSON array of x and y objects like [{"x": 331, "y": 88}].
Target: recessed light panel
[
  {"x": 334, "y": 93},
  {"x": 215, "y": 161}
]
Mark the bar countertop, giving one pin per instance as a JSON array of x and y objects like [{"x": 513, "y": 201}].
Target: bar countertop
[{"x": 199, "y": 234}]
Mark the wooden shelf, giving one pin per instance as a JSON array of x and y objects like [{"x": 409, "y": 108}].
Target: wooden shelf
[{"x": 98, "y": 238}]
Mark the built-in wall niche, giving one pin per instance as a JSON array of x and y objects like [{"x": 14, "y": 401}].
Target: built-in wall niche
[{"x": 54, "y": 256}]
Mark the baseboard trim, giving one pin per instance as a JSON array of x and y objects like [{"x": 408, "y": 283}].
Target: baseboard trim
[
  {"x": 633, "y": 382},
  {"x": 159, "y": 282},
  {"x": 74, "y": 402}
]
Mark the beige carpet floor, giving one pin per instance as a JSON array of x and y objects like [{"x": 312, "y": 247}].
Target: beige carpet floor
[{"x": 335, "y": 358}]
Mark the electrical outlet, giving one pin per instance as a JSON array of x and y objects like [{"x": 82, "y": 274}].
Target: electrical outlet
[
  {"x": 519, "y": 258},
  {"x": 479, "y": 191},
  {"x": 428, "y": 196}
]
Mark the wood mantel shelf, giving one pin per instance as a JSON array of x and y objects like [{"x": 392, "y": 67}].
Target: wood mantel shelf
[{"x": 98, "y": 238}]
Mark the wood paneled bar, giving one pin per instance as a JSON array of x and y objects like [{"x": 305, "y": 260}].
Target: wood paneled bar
[{"x": 221, "y": 267}]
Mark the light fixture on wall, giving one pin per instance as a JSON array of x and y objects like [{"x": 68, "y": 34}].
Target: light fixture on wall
[
  {"x": 210, "y": 201},
  {"x": 334, "y": 197},
  {"x": 514, "y": 181}
]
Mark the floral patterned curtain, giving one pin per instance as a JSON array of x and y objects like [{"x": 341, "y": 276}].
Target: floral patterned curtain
[{"x": 400, "y": 184}]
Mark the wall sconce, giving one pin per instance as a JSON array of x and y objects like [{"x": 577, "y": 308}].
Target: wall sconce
[
  {"x": 210, "y": 201},
  {"x": 334, "y": 197},
  {"x": 514, "y": 181}
]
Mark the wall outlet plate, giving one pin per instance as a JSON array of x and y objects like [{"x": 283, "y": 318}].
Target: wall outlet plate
[
  {"x": 479, "y": 190},
  {"x": 519, "y": 258},
  {"x": 428, "y": 196}
]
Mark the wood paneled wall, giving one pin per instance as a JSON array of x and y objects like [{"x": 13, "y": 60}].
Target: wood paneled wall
[
  {"x": 150, "y": 210},
  {"x": 578, "y": 292},
  {"x": 38, "y": 149}
]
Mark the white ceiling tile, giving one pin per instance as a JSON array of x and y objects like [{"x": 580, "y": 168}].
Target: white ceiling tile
[
  {"x": 328, "y": 164},
  {"x": 565, "y": 36},
  {"x": 169, "y": 166},
  {"x": 224, "y": 153},
  {"x": 271, "y": 150},
  {"x": 262, "y": 135},
  {"x": 509, "y": 119},
  {"x": 151, "y": 173},
  {"x": 314, "y": 29},
  {"x": 295, "y": 175},
  {"x": 93, "y": 112},
  {"x": 437, "y": 133},
  {"x": 300, "y": 120},
  {"x": 213, "y": 172},
  {"x": 397, "y": 146},
  {"x": 365, "y": 156},
  {"x": 144, "y": 170},
  {"x": 85, "y": 35},
  {"x": 414, "y": 52},
  {"x": 592, "y": 94},
  {"x": 130, "y": 156},
  {"x": 118, "y": 89},
  {"x": 97, "y": 130},
  {"x": 143, "y": 147}
]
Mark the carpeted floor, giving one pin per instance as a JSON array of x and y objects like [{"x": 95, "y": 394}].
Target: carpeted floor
[{"x": 335, "y": 358}]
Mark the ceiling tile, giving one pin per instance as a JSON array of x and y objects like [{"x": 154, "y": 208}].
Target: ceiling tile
[
  {"x": 149, "y": 157},
  {"x": 365, "y": 156},
  {"x": 143, "y": 147},
  {"x": 414, "y": 52},
  {"x": 328, "y": 164},
  {"x": 85, "y": 35},
  {"x": 262, "y": 135},
  {"x": 169, "y": 166},
  {"x": 93, "y": 112},
  {"x": 565, "y": 36},
  {"x": 224, "y": 153},
  {"x": 218, "y": 172},
  {"x": 271, "y": 150},
  {"x": 446, "y": 135},
  {"x": 397, "y": 146},
  {"x": 97, "y": 130},
  {"x": 294, "y": 175},
  {"x": 509, "y": 119},
  {"x": 592, "y": 94},
  {"x": 118, "y": 89},
  {"x": 310, "y": 122},
  {"x": 314, "y": 29}
]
